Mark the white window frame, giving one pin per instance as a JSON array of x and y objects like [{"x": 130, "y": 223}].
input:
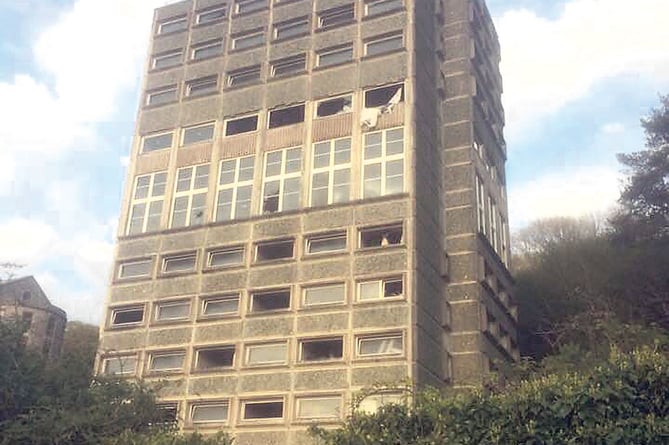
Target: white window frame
[
  {"x": 308, "y": 289},
  {"x": 185, "y": 130},
  {"x": 389, "y": 336},
  {"x": 480, "y": 205},
  {"x": 381, "y": 287},
  {"x": 177, "y": 257},
  {"x": 190, "y": 194},
  {"x": 234, "y": 187},
  {"x": 130, "y": 370},
  {"x": 281, "y": 178},
  {"x": 200, "y": 83},
  {"x": 154, "y": 355},
  {"x": 158, "y": 306},
  {"x": 157, "y": 135},
  {"x": 198, "y": 350},
  {"x": 325, "y": 236},
  {"x": 253, "y": 295},
  {"x": 244, "y": 403},
  {"x": 328, "y": 99},
  {"x": 155, "y": 60},
  {"x": 248, "y": 37},
  {"x": 206, "y": 46},
  {"x": 171, "y": 90},
  {"x": 116, "y": 310},
  {"x": 244, "y": 73},
  {"x": 298, "y": 60},
  {"x": 249, "y": 347},
  {"x": 301, "y": 343},
  {"x": 234, "y": 119},
  {"x": 229, "y": 297},
  {"x": 379, "y": 40},
  {"x": 379, "y": 400},
  {"x": 384, "y": 160},
  {"x": 335, "y": 12},
  {"x": 149, "y": 201},
  {"x": 338, "y": 399},
  {"x": 278, "y": 28},
  {"x": 194, "y": 405},
  {"x": 239, "y": 3},
  {"x": 492, "y": 215},
  {"x": 331, "y": 170},
  {"x": 332, "y": 51},
  {"x": 124, "y": 264},
  {"x": 369, "y": 3},
  {"x": 171, "y": 21},
  {"x": 212, "y": 252},
  {"x": 213, "y": 10}
]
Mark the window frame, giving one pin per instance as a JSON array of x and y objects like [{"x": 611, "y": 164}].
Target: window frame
[
  {"x": 256, "y": 37},
  {"x": 156, "y": 58},
  {"x": 332, "y": 99},
  {"x": 243, "y": 403},
  {"x": 286, "y": 62},
  {"x": 382, "y": 336},
  {"x": 107, "y": 359},
  {"x": 300, "y": 349},
  {"x": 381, "y": 287},
  {"x": 185, "y": 130},
  {"x": 122, "y": 264},
  {"x": 307, "y": 288},
  {"x": 384, "y": 160},
  {"x": 386, "y": 227},
  {"x": 235, "y": 203},
  {"x": 174, "y": 88},
  {"x": 332, "y": 51},
  {"x": 377, "y": 40},
  {"x": 324, "y": 236},
  {"x": 335, "y": 13},
  {"x": 290, "y": 24},
  {"x": 367, "y": 3},
  {"x": 247, "y": 352},
  {"x": 205, "y": 46},
  {"x": 265, "y": 243},
  {"x": 157, "y": 307},
  {"x": 265, "y": 292},
  {"x": 113, "y": 311},
  {"x": 150, "y": 136},
  {"x": 213, "y": 9},
  {"x": 204, "y": 300},
  {"x": 191, "y": 411},
  {"x": 190, "y": 194},
  {"x": 148, "y": 219},
  {"x": 237, "y": 4},
  {"x": 152, "y": 355},
  {"x": 283, "y": 177},
  {"x": 331, "y": 169},
  {"x": 213, "y": 251},
  {"x": 199, "y": 82},
  {"x": 240, "y": 118},
  {"x": 166, "y": 258},
  {"x": 198, "y": 350},
  {"x": 172, "y": 20},
  {"x": 297, "y": 107},
  {"x": 300, "y": 398}
]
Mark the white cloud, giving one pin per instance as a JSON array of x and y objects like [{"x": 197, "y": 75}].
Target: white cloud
[
  {"x": 26, "y": 241},
  {"x": 587, "y": 190},
  {"x": 547, "y": 64},
  {"x": 613, "y": 128}
]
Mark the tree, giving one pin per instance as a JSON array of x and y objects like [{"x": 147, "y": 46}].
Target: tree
[{"x": 644, "y": 213}]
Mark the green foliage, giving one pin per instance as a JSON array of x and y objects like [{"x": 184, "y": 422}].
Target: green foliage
[{"x": 623, "y": 401}]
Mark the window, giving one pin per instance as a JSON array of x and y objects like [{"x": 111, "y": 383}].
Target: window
[
  {"x": 226, "y": 257},
  {"x": 286, "y": 116},
  {"x": 235, "y": 186},
  {"x": 275, "y": 300},
  {"x": 383, "y": 163},
  {"x": 162, "y": 95},
  {"x": 372, "y": 403},
  {"x": 391, "y": 344},
  {"x": 135, "y": 269},
  {"x": 326, "y": 243},
  {"x": 380, "y": 45},
  {"x": 213, "y": 412},
  {"x": 331, "y": 294},
  {"x": 382, "y": 97},
  {"x": 172, "y": 311},
  {"x": 243, "y": 6},
  {"x": 332, "y": 107},
  {"x": 262, "y": 410},
  {"x": 166, "y": 60},
  {"x": 267, "y": 354},
  {"x": 207, "y": 50},
  {"x": 331, "y": 172},
  {"x": 293, "y": 28},
  {"x": 245, "y": 76},
  {"x": 289, "y": 65},
  {"x": 190, "y": 196},
  {"x": 336, "y": 17},
  {"x": 211, "y": 15},
  {"x": 214, "y": 358},
  {"x": 220, "y": 306},
  {"x": 119, "y": 365},
  {"x": 146, "y": 207},
  {"x": 480, "y": 205},
  {"x": 492, "y": 224},
  {"x": 335, "y": 56},
  {"x": 198, "y": 134},
  {"x": 379, "y": 289},
  {"x": 241, "y": 125},
  {"x": 248, "y": 40},
  {"x": 375, "y": 7},
  {"x": 274, "y": 250},
  {"x": 127, "y": 316},
  {"x": 281, "y": 182},
  {"x": 27, "y": 319},
  {"x": 381, "y": 236},
  {"x": 202, "y": 86},
  {"x": 157, "y": 142},
  {"x": 169, "y": 412},
  {"x": 172, "y": 25},
  {"x": 319, "y": 407},
  {"x": 167, "y": 361},
  {"x": 179, "y": 263},
  {"x": 321, "y": 349}
]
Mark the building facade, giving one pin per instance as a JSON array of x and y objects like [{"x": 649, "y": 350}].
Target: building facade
[
  {"x": 24, "y": 299},
  {"x": 315, "y": 204}
]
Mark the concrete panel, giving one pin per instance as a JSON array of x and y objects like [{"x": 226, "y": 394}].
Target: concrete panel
[
  {"x": 464, "y": 267},
  {"x": 122, "y": 341},
  {"x": 248, "y": 22},
  {"x": 287, "y": 91},
  {"x": 224, "y": 281},
  {"x": 335, "y": 37},
  {"x": 173, "y": 10},
  {"x": 322, "y": 323},
  {"x": 379, "y": 375},
  {"x": 197, "y": 111},
  {"x": 459, "y": 221},
  {"x": 386, "y": 212},
  {"x": 382, "y": 70},
  {"x": 381, "y": 316},
  {"x": 169, "y": 42},
  {"x": 245, "y": 59},
  {"x": 334, "y": 81},
  {"x": 268, "y": 327},
  {"x": 277, "y": 228},
  {"x": 134, "y": 248},
  {"x": 321, "y": 380},
  {"x": 282, "y": 50},
  {"x": 383, "y": 25},
  {"x": 457, "y": 135},
  {"x": 296, "y": 9},
  {"x": 272, "y": 276},
  {"x": 161, "y": 337},
  {"x": 226, "y": 385},
  {"x": 309, "y": 271},
  {"x": 210, "y": 32},
  {"x": 328, "y": 219},
  {"x": 380, "y": 263},
  {"x": 183, "y": 241},
  {"x": 467, "y": 368},
  {"x": 228, "y": 234},
  {"x": 463, "y": 292},
  {"x": 169, "y": 388},
  {"x": 177, "y": 286},
  {"x": 131, "y": 292},
  {"x": 458, "y": 177},
  {"x": 264, "y": 382},
  {"x": 163, "y": 78},
  {"x": 242, "y": 101},
  {"x": 223, "y": 332},
  {"x": 264, "y": 438},
  {"x": 204, "y": 68},
  {"x": 163, "y": 118}
]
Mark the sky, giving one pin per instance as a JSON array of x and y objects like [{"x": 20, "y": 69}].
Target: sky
[{"x": 578, "y": 75}]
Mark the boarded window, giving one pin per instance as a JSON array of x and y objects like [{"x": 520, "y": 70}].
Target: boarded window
[
  {"x": 263, "y": 410},
  {"x": 241, "y": 125},
  {"x": 319, "y": 350},
  {"x": 220, "y": 306},
  {"x": 275, "y": 250},
  {"x": 127, "y": 316},
  {"x": 332, "y": 107},
  {"x": 215, "y": 358},
  {"x": 270, "y": 301},
  {"x": 324, "y": 295},
  {"x": 286, "y": 116},
  {"x": 381, "y": 236}
]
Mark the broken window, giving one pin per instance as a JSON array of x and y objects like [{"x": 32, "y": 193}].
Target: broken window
[
  {"x": 119, "y": 365},
  {"x": 179, "y": 263},
  {"x": 332, "y": 107},
  {"x": 336, "y": 16},
  {"x": 190, "y": 196},
  {"x": 135, "y": 269},
  {"x": 167, "y": 361},
  {"x": 289, "y": 65},
  {"x": 270, "y": 301},
  {"x": 326, "y": 243},
  {"x": 262, "y": 410},
  {"x": 379, "y": 289},
  {"x": 226, "y": 257},
  {"x": 380, "y": 45},
  {"x": 168, "y": 412},
  {"x": 282, "y": 180},
  {"x": 127, "y": 316},
  {"x": 220, "y": 306},
  {"x": 391, "y": 344},
  {"x": 214, "y": 358},
  {"x": 382, "y": 96},
  {"x": 235, "y": 185},
  {"x": 267, "y": 354},
  {"x": 202, "y": 86},
  {"x": 381, "y": 236},
  {"x": 286, "y": 116},
  {"x": 274, "y": 250},
  {"x": 376, "y": 7},
  {"x": 322, "y": 349},
  {"x": 241, "y": 125},
  {"x": 207, "y": 50},
  {"x": 334, "y": 56},
  {"x": 319, "y": 407},
  {"x": 200, "y": 133},
  {"x": 211, "y": 15},
  {"x": 324, "y": 295},
  {"x": 175, "y": 310},
  {"x": 209, "y": 412},
  {"x": 162, "y": 96},
  {"x": 292, "y": 28},
  {"x": 172, "y": 25},
  {"x": 157, "y": 142}
]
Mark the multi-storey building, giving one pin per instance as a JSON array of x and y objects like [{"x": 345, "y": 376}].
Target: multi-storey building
[
  {"x": 24, "y": 299},
  {"x": 315, "y": 204}
]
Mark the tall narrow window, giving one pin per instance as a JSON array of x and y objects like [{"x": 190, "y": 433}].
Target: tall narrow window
[
  {"x": 331, "y": 172},
  {"x": 146, "y": 206},
  {"x": 235, "y": 186},
  {"x": 190, "y": 196},
  {"x": 281, "y": 181},
  {"x": 492, "y": 214},
  {"x": 480, "y": 205},
  {"x": 383, "y": 163}
]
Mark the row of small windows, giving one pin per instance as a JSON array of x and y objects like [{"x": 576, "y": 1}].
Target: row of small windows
[
  {"x": 283, "y": 249},
  {"x": 382, "y": 174},
  {"x": 326, "y": 19},
  {"x": 490, "y": 221},
  {"x": 223, "y": 357},
  {"x": 259, "y": 302}
]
